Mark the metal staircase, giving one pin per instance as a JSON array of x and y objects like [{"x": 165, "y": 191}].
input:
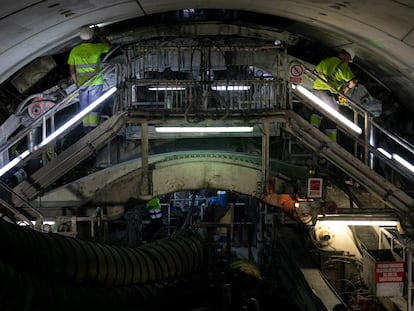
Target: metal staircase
[
  {"x": 370, "y": 164},
  {"x": 361, "y": 165},
  {"x": 24, "y": 213},
  {"x": 390, "y": 194},
  {"x": 39, "y": 114},
  {"x": 70, "y": 157}
]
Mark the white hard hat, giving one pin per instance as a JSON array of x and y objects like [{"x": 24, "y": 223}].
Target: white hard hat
[
  {"x": 86, "y": 33},
  {"x": 350, "y": 52}
]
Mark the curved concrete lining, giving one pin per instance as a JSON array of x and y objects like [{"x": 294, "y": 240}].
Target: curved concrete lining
[{"x": 168, "y": 173}]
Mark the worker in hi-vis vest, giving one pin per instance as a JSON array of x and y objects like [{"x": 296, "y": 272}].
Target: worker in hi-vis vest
[
  {"x": 337, "y": 73},
  {"x": 155, "y": 215},
  {"x": 84, "y": 62}
]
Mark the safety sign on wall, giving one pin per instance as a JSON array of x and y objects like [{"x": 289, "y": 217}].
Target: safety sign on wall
[
  {"x": 315, "y": 187},
  {"x": 389, "y": 278},
  {"x": 389, "y": 272},
  {"x": 295, "y": 73}
]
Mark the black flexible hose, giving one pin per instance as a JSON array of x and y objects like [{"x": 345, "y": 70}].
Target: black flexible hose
[
  {"x": 20, "y": 291},
  {"x": 56, "y": 257}
]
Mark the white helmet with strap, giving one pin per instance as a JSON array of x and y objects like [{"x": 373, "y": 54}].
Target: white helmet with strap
[
  {"x": 86, "y": 33},
  {"x": 350, "y": 52}
]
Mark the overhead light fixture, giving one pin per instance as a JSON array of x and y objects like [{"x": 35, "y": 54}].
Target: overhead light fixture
[
  {"x": 277, "y": 42},
  {"x": 230, "y": 87},
  {"x": 59, "y": 131},
  {"x": 315, "y": 99},
  {"x": 166, "y": 88},
  {"x": 381, "y": 220},
  {"x": 379, "y": 223},
  {"x": 204, "y": 129}
]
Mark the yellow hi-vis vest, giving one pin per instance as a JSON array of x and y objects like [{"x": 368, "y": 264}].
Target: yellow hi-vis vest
[
  {"x": 334, "y": 71},
  {"x": 86, "y": 57},
  {"x": 154, "y": 208}
]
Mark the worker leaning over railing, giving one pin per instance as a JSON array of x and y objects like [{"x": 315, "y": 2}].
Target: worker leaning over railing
[
  {"x": 84, "y": 62},
  {"x": 336, "y": 72}
]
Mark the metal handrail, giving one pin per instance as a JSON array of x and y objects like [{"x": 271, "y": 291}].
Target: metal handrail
[
  {"x": 187, "y": 96},
  {"x": 363, "y": 112},
  {"x": 350, "y": 103},
  {"x": 369, "y": 124},
  {"x": 64, "y": 103},
  {"x": 396, "y": 138},
  {"x": 13, "y": 209}
]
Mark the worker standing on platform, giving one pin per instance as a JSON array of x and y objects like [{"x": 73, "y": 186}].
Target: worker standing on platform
[
  {"x": 84, "y": 62},
  {"x": 336, "y": 72}
]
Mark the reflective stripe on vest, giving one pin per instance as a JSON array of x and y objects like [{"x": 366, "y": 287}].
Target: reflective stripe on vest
[
  {"x": 332, "y": 76},
  {"x": 87, "y": 70},
  {"x": 155, "y": 213}
]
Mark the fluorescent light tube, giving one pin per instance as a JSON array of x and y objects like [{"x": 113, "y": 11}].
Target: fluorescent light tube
[
  {"x": 77, "y": 117},
  {"x": 230, "y": 87},
  {"x": 166, "y": 88},
  {"x": 381, "y": 223},
  {"x": 315, "y": 99},
  {"x": 403, "y": 162},
  {"x": 60, "y": 130},
  {"x": 385, "y": 153},
  {"x": 201, "y": 129},
  {"x": 13, "y": 162}
]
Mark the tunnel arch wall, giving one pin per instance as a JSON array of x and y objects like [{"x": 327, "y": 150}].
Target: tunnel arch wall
[{"x": 170, "y": 172}]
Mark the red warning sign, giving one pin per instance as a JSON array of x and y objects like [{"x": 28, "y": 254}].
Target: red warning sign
[
  {"x": 315, "y": 187},
  {"x": 296, "y": 73},
  {"x": 389, "y": 272}
]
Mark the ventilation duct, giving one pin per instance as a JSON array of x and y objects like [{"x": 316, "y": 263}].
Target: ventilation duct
[{"x": 55, "y": 257}]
